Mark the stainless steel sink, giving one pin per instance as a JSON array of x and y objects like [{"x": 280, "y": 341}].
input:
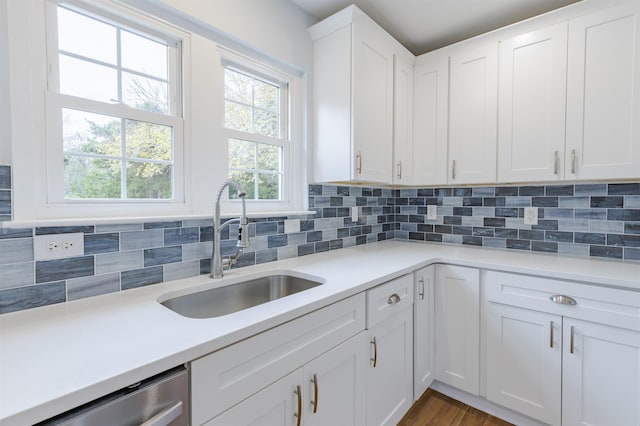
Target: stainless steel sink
[{"x": 220, "y": 301}]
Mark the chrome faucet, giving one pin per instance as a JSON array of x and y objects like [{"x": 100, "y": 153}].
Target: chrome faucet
[{"x": 217, "y": 263}]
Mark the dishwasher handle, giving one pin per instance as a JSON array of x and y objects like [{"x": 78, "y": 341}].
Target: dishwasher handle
[{"x": 166, "y": 416}]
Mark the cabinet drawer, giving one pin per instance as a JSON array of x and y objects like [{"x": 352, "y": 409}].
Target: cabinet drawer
[
  {"x": 604, "y": 305},
  {"x": 224, "y": 378},
  {"x": 387, "y": 299}
]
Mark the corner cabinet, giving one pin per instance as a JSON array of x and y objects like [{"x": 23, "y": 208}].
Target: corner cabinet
[
  {"x": 457, "y": 323},
  {"x": 353, "y": 98}
]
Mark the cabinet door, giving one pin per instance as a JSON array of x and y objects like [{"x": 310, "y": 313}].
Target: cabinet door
[
  {"x": 603, "y": 94},
  {"x": 532, "y": 87},
  {"x": 601, "y": 375},
  {"x": 430, "y": 119},
  {"x": 457, "y": 303},
  {"x": 335, "y": 385},
  {"x": 423, "y": 330},
  {"x": 390, "y": 373},
  {"x": 275, "y": 405},
  {"x": 524, "y": 356},
  {"x": 403, "y": 122},
  {"x": 473, "y": 119},
  {"x": 372, "y": 103}
]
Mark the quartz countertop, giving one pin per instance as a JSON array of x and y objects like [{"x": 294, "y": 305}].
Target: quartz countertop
[{"x": 57, "y": 357}]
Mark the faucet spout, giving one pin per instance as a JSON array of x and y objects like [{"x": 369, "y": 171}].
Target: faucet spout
[{"x": 217, "y": 264}]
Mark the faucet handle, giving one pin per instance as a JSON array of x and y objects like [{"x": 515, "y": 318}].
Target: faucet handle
[{"x": 243, "y": 236}]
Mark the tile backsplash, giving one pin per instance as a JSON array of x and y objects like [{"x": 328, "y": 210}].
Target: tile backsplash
[{"x": 601, "y": 220}]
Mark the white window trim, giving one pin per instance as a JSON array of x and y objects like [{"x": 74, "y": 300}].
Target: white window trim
[{"x": 204, "y": 163}]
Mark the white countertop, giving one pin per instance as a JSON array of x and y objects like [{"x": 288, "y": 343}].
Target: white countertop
[{"x": 60, "y": 356}]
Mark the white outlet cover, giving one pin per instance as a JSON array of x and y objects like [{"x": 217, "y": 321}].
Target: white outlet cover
[
  {"x": 432, "y": 212},
  {"x": 530, "y": 215},
  {"x": 58, "y": 246}
]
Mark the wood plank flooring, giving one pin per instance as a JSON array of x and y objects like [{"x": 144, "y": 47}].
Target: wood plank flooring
[{"x": 436, "y": 409}]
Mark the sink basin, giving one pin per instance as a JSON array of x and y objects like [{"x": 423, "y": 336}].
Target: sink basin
[{"x": 220, "y": 301}]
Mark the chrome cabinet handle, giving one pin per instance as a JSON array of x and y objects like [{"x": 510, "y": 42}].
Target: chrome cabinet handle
[
  {"x": 571, "y": 340},
  {"x": 399, "y": 169},
  {"x": 421, "y": 291},
  {"x": 551, "y": 334},
  {"x": 314, "y": 380},
  {"x": 359, "y": 162},
  {"x": 555, "y": 163},
  {"x": 453, "y": 169},
  {"x": 393, "y": 299},
  {"x": 573, "y": 161},
  {"x": 375, "y": 352},
  {"x": 164, "y": 417},
  {"x": 298, "y": 415},
  {"x": 563, "y": 300}
]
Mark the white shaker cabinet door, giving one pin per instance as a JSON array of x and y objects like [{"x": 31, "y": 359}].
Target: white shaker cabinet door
[
  {"x": 473, "y": 114},
  {"x": 457, "y": 309},
  {"x": 423, "y": 330},
  {"x": 524, "y": 361},
  {"x": 532, "y": 88},
  {"x": 601, "y": 375},
  {"x": 430, "y": 120},
  {"x": 603, "y": 94},
  {"x": 403, "y": 122}
]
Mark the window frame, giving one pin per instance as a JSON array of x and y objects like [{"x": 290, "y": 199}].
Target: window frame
[
  {"x": 261, "y": 70},
  {"x": 56, "y": 102}
]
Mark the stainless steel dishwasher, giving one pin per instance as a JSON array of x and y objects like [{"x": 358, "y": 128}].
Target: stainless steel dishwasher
[{"x": 161, "y": 400}]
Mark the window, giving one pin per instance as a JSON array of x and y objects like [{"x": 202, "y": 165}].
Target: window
[
  {"x": 256, "y": 129},
  {"x": 113, "y": 109}
]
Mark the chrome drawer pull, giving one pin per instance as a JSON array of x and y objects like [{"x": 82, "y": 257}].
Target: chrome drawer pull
[
  {"x": 393, "y": 299},
  {"x": 563, "y": 300}
]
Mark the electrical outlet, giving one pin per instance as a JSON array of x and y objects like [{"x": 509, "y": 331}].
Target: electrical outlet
[
  {"x": 530, "y": 215},
  {"x": 57, "y": 246},
  {"x": 354, "y": 214},
  {"x": 432, "y": 212}
]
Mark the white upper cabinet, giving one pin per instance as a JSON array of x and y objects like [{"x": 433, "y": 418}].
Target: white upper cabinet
[
  {"x": 430, "y": 119},
  {"x": 532, "y": 100},
  {"x": 403, "y": 122},
  {"x": 353, "y": 98},
  {"x": 603, "y": 94},
  {"x": 473, "y": 113}
]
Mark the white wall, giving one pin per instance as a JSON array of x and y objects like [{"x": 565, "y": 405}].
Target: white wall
[{"x": 5, "y": 110}]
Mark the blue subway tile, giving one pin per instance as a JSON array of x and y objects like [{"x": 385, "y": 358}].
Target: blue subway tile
[
  {"x": 607, "y": 202},
  {"x": 425, "y": 192},
  {"x": 101, "y": 243},
  {"x": 471, "y": 240},
  {"x": 5, "y": 202},
  {"x": 264, "y": 256},
  {"x": 335, "y": 244},
  {"x": 9, "y": 233},
  {"x": 544, "y": 201},
  {"x": 64, "y": 269},
  {"x": 49, "y": 230},
  {"x": 528, "y": 234},
  {"x": 591, "y": 189},
  {"x": 518, "y": 244},
  {"x": 632, "y": 228},
  {"x": 631, "y": 253},
  {"x": 531, "y": 191},
  {"x": 305, "y": 249},
  {"x": 141, "y": 277},
  {"x": 630, "y": 215},
  {"x": 559, "y": 236},
  {"x": 544, "y": 246},
  {"x": 161, "y": 225},
  {"x": 506, "y": 233},
  {"x": 162, "y": 255},
  {"x": 176, "y": 236},
  {"x": 606, "y": 251},
  {"x": 462, "y": 211},
  {"x": 417, "y": 236},
  {"x": 5, "y": 177},
  {"x": 34, "y": 296},
  {"x": 16, "y": 275},
  {"x": 434, "y": 238},
  {"x": 506, "y": 212},
  {"x": 559, "y": 190},
  {"x": 315, "y": 189},
  {"x": 624, "y": 189},
  {"x": 137, "y": 240},
  {"x": 94, "y": 285},
  {"x": 483, "y": 191},
  {"x": 546, "y": 225},
  {"x": 481, "y": 231},
  {"x": 266, "y": 228},
  {"x": 452, "y": 220},
  {"x": 589, "y": 238},
  {"x": 494, "y": 201},
  {"x": 506, "y": 191},
  {"x": 496, "y": 222},
  {"x": 623, "y": 240},
  {"x": 462, "y": 230},
  {"x": 279, "y": 240},
  {"x": 591, "y": 214},
  {"x": 424, "y": 227},
  {"x": 443, "y": 229}
]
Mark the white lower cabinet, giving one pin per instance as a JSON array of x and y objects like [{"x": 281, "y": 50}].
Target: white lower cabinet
[
  {"x": 524, "y": 351},
  {"x": 423, "y": 330},
  {"x": 327, "y": 391},
  {"x": 575, "y": 363},
  {"x": 457, "y": 340},
  {"x": 601, "y": 375},
  {"x": 390, "y": 330}
]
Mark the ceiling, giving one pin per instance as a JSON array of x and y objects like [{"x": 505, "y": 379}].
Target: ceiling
[{"x": 425, "y": 25}]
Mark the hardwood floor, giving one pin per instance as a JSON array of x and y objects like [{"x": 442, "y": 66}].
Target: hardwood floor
[{"x": 436, "y": 409}]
